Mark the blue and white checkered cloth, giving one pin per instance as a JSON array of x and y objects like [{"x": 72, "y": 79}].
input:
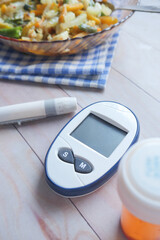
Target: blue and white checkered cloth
[{"x": 87, "y": 69}]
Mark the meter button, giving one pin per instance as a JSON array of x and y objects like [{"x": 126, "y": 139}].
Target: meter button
[
  {"x": 66, "y": 155},
  {"x": 82, "y": 166}
]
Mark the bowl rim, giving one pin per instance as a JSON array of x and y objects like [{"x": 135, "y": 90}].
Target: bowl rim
[{"x": 72, "y": 39}]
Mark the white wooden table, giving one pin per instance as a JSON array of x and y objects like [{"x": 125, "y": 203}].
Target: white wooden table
[{"x": 28, "y": 208}]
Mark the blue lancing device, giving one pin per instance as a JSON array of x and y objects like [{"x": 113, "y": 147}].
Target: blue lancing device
[{"x": 86, "y": 152}]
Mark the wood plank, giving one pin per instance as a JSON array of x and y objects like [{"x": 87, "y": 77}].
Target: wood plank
[
  {"x": 102, "y": 209},
  {"x": 139, "y": 62},
  {"x": 13, "y": 92},
  {"x": 28, "y": 208},
  {"x": 144, "y": 26}
]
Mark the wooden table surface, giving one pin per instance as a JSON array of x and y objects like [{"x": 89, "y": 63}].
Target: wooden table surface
[{"x": 28, "y": 208}]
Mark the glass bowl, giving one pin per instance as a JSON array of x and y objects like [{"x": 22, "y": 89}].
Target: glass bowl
[{"x": 75, "y": 45}]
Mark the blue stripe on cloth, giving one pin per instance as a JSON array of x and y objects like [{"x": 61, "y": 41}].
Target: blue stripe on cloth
[{"x": 87, "y": 69}]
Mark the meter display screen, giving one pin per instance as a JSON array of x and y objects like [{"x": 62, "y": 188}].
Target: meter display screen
[{"x": 99, "y": 135}]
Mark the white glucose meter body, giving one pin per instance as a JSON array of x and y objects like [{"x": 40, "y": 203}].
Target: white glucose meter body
[{"x": 86, "y": 152}]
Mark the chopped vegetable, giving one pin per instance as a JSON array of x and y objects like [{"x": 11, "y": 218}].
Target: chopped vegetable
[
  {"x": 76, "y": 22},
  {"x": 108, "y": 20},
  {"x": 62, "y": 14},
  {"x": 96, "y": 19},
  {"x": 86, "y": 28},
  {"x": 28, "y": 7},
  {"x": 15, "y": 22},
  {"x": 92, "y": 3},
  {"x": 95, "y": 10},
  {"x": 78, "y": 12},
  {"x": 3, "y": 8},
  {"x": 39, "y": 9},
  {"x": 11, "y": 32},
  {"x": 106, "y": 11},
  {"x": 74, "y": 7},
  {"x": 5, "y": 25}
]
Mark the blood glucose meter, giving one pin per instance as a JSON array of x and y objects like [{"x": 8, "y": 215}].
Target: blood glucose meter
[{"x": 86, "y": 152}]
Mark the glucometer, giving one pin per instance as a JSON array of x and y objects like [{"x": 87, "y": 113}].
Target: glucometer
[{"x": 86, "y": 152}]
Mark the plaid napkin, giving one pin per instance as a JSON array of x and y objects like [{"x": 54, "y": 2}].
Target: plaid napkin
[{"x": 87, "y": 69}]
